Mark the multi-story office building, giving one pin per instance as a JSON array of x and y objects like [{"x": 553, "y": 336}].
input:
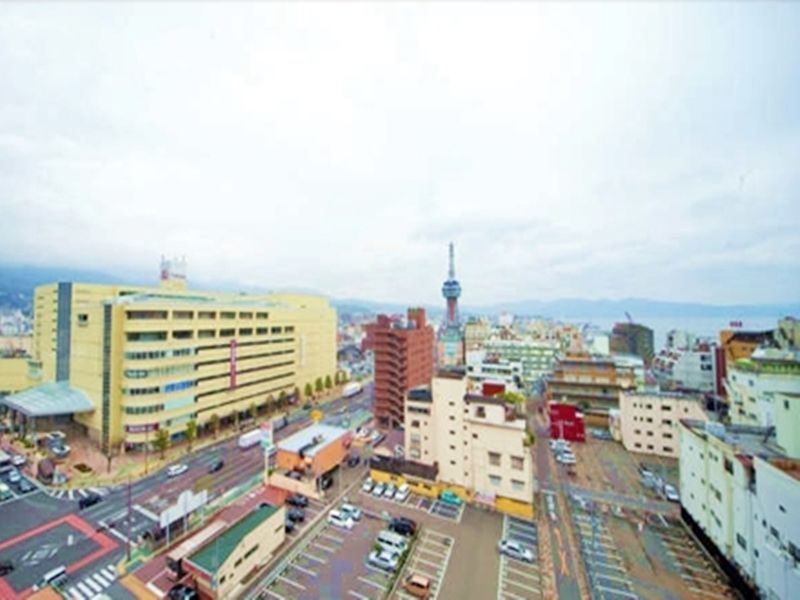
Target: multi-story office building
[
  {"x": 479, "y": 443},
  {"x": 403, "y": 359},
  {"x": 150, "y": 359},
  {"x": 753, "y": 383},
  {"x": 740, "y": 493},
  {"x": 476, "y": 332},
  {"x": 590, "y": 382},
  {"x": 649, "y": 420},
  {"x": 632, "y": 338},
  {"x": 537, "y": 357}
]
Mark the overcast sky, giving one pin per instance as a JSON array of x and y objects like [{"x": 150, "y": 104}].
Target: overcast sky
[{"x": 584, "y": 151}]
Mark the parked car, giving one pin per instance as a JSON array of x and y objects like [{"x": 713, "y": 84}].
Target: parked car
[
  {"x": 307, "y": 406},
  {"x": 288, "y": 525},
  {"x": 402, "y": 493},
  {"x": 217, "y": 466},
  {"x": 515, "y": 550},
  {"x": 176, "y": 470},
  {"x": 13, "y": 476},
  {"x": 338, "y": 519},
  {"x": 449, "y": 497},
  {"x": 417, "y": 586},
  {"x": 352, "y": 511},
  {"x": 386, "y": 561},
  {"x": 296, "y": 515},
  {"x": 18, "y": 460},
  {"x": 403, "y": 526},
  {"x": 6, "y": 566},
  {"x": 378, "y": 490},
  {"x": 399, "y": 452},
  {"x": 390, "y": 491},
  {"x": 89, "y": 500},
  {"x": 60, "y": 451},
  {"x": 353, "y": 461},
  {"x": 183, "y": 592},
  {"x": 367, "y": 485},
  {"x": 671, "y": 494},
  {"x": 296, "y": 475},
  {"x": 297, "y": 500},
  {"x": 25, "y": 486},
  {"x": 379, "y": 439},
  {"x": 325, "y": 482}
]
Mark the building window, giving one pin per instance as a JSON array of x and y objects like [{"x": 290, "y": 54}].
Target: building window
[
  {"x": 494, "y": 459},
  {"x": 182, "y": 314},
  {"x": 204, "y": 314},
  {"x": 262, "y": 315},
  {"x": 83, "y": 319},
  {"x": 637, "y": 431},
  {"x": 246, "y": 331},
  {"x": 475, "y": 436},
  {"x": 245, "y": 315},
  {"x": 517, "y": 463},
  {"x": 276, "y": 330},
  {"x": 729, "y": 466},
  {"x": 227, "y": 315},
  {"x": 452, "y": 418},
  {"x": 667, "y": 436},
  {"x": 452, "y": 403},
  {"x": 666, "y": 422},
  {"x": 666, "y": 407},
  {"x": 667, "y": 449},
  {"x": 480, "y": 412},
  {"x": 452, "y": 447},
  {"x": 649, "y": 434},
  {"x": 495, "y": 480},
  {"x": 227, "y": 332},
  {"x": 649, "y": 446},
  {"x": 517, "y": 485},
  {"x": 415, "y": 423},
  {"x": 637, "y": 445},
  {"x": 452, "y": 462}
]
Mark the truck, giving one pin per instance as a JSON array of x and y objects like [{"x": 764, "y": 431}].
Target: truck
[
  {"x": 352, "y": 389},
  {"x": 250, "y": 439}
]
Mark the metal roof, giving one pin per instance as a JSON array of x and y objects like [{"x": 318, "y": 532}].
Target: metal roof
[
  {"x": 214, "y": 554},
  {"x": 49, "y": 399},
  {"x": 319, "y": 435}
]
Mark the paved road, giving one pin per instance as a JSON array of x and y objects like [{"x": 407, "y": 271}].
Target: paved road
[{"x": 69, "y": 535}]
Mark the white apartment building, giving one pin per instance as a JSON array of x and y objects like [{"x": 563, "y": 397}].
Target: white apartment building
[
  {"x": 478, "y": 442},
  {"x": 648, "y": 421},
  {"x": 752, "y": 385},
  {"x": 481, "y": 369},
  {"x": 742, "y": 494},
  {"x": 687, "y": 368}
]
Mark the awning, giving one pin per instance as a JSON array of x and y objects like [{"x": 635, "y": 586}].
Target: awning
[{"x": 48, "y": 400}]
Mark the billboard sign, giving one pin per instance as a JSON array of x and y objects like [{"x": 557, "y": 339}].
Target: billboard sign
[{"x": 185, "y": 504}]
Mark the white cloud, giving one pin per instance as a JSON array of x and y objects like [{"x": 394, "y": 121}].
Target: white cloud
[{"x": 580, "y": 150}]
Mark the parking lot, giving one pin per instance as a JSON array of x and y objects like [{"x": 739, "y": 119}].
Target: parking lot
[
  {"x": 429, "y": 558},
  {"x": 433, "y": 507},
  {"x": 518, "y": 580},
  {"x": 16, "y": 484},
  {"x": 332, "y": 565}
]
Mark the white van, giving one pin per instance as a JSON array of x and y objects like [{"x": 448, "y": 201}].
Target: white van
[
  {"x": 57, "y": 575},
  {"x": 391, "y": 541}
]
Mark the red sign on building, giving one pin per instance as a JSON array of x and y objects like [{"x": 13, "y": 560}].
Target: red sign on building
[{"x": 566, "y": 423}]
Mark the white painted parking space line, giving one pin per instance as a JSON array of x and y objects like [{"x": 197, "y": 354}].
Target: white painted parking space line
[
  {"x": 622, "y": 580},
  {"x": 517, "y": 584},
  {"x": 302, "y": 569},
  {"x": 332, "y": 538},
  {"x": 505, "y": 594},
  {"x": 707, "y": 593},
  {"x": 290, "y": 582},
  {"x": 439, "y": 550},
  {"x": 519, "y": 573},
  {"x": 315, "y": 558},
  {"x": 372, "y": 583},
  {"x": 273, "y": 594},
  {"x": 359, "y": 596},
  {"x": 426, "y": 562},
  {"x": 616, "y": 591},
  {"x": 323, "y": 547}
]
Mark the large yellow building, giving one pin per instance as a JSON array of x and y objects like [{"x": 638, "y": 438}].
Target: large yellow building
[{"x": 156, "y": 358}]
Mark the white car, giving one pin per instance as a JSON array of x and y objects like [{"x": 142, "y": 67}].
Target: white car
[
  {"x": 567, "y": 459},
  {"x": 14, "y": 476},
  {"x": 671, "y": 494},
  {"x": 515, "y": 550},
  {"x": 352, "y": 511},
  {"x": 384, "y": 560},
  {"x": 176, "y": 470},
  {"x": 378, "y": 490},
  {"x": 402, "y": 493},
  {"x": 18, "y": 460},
  {"x": 339, "y": 519},
  {"x": 390, "y": 491},
  {"x": 399, "y": 452},
  {"x": 367, "y": 486}
]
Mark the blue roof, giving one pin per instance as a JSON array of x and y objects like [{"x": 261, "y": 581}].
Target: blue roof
[{"x": 323, "y": 434}]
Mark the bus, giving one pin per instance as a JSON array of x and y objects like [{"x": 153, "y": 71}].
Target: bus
[{"x": 188, "y": 547}]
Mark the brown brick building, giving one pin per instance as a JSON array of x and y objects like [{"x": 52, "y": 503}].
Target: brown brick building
[{"x": 403, "y": 360}]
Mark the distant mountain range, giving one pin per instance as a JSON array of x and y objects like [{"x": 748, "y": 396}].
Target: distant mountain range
[{"x": 17, "y": 283}]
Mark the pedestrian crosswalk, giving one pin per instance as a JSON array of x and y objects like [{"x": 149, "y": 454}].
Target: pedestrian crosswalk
[
  {"x": 77, "y": 494},
  {"x": 92, "y": 585}
]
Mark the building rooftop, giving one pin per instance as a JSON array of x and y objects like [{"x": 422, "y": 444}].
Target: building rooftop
[
  {"x": 744, "y": 439},
  {"x": 216, "y": 552},
  {"x": 420, "y": 394},
  {"x": 664, "y": 395},
  {"x": 451, "y": 373},
  {"x": 49, "y": 399},
  {"x": 312, "y": 439}
]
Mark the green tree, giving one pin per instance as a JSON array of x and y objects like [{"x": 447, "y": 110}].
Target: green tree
[
  {"x": 337, "y": 378},
  {"x": 253, "y": 411},
  {"x": 318, "y": 385},
  {"x": 162, "y": 441},
  {"x": 282, "y": 399},
  {"x": 191, "y": 433},
  {"x": 236, "y": 419},
  {"x": 513, "y": 397},
  {"x": 585, "y": 405},
  {"x": 214, "y": 422},
  {"x": 309, "y": 391},
  {"x": 328, "y": 382},
  {"x": 344, "y": 377},
  {"x": 296, "y": 393}
]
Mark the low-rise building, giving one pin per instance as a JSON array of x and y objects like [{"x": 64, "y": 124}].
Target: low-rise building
[
  {"x": 692, "y": 368},
  {"x": 537, "y": 357},
  {"x": 221, "y": 565},
  {"x": 487, "y": 369},
  {"x": 479, "y": 443},
  {"x": 649, "y": 421}
]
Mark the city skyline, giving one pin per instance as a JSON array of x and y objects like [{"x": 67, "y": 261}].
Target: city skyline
[{"x": 650, "y": 156}]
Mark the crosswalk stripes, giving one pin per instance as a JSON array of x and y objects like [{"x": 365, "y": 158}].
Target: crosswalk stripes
[
  {"x": 78, "y": 493},
  {"x": 92, "y": 585},
  {"x": 82, "y": 493}
]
